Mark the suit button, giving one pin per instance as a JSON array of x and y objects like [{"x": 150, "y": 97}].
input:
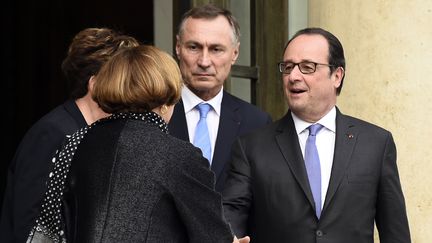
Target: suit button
[{"x": 319, "y": 233}]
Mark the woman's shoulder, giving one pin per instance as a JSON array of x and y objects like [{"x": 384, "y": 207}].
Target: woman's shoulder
[
  {"x": 184, "y": 152},
  {"x": 182, "y": 148},
  {"x": 149, "y": 136}
]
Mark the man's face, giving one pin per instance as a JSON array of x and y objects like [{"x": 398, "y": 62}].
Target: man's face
[
  {"x": 310, "y": 96},
  {"x": 206, "y": 51}
]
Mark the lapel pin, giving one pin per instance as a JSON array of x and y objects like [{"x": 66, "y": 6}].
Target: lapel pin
[{"x": 350, "y": 136}]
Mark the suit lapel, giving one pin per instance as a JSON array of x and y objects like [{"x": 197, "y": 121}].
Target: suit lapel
[
  {"x": 289, "y": 146},
  {"x": 177, "y": 125},
  {"x": 346, "y": 137},
  {"x": 229, "y": 124}
]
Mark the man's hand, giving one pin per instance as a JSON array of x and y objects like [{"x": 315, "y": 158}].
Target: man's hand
[{"x": 245, "y": 239}]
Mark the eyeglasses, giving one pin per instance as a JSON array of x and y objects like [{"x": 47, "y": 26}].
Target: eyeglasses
[{"x": 304, "y": 67}]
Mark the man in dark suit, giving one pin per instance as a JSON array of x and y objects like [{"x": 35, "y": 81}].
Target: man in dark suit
[
  {"x": 207, "y": 46},
  {"x": 276, "y": 191}
]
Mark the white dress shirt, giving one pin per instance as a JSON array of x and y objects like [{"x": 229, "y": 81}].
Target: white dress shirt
[
  {"x": 325, "y": 142},
  {"x": 190, "y": 101}
]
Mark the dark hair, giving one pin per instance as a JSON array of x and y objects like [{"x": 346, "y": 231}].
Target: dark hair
[
  {"x": 211, "y": 11},
  {"x": 89, "y": 50},
  {"x": 336, "y": 53}
]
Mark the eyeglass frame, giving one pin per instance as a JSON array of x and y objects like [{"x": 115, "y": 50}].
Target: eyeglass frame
[{"x": 299, "y": 67}]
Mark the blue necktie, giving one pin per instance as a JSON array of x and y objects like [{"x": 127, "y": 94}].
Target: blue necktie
[
  {"x": 202, "y": 138},
  {"x": 313, "y": 167}
]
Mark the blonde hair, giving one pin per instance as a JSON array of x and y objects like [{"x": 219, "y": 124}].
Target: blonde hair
[{"x": 137, "y": 79}]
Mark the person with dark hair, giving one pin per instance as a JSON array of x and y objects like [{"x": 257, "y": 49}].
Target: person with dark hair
[
  {"x": 315, "y": 175},
  {"x": 124, "y": 178},
  {"x": 29, "y": 169},
  {"x": 207, "y": 46}
]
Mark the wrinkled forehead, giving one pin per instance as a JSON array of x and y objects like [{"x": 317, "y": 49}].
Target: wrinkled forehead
[
  {"x": 307, "y": 47},
  {"x": 205, "y": 29}
]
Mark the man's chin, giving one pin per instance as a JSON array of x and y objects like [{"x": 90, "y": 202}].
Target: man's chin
[
  {"x": 202, "y": 84},
  {"x": 199, "y": 87}
]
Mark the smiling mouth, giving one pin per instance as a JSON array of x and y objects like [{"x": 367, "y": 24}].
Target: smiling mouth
[{"x": 297, "y": 91}]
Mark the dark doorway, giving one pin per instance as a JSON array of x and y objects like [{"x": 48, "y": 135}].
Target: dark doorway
[{"x": 35, "y": 37}]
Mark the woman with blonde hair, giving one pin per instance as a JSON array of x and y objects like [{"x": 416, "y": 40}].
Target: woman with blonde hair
[{"x": 129, "y": 180}]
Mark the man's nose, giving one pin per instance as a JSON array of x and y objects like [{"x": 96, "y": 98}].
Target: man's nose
[{"x": 204, "y": 60}]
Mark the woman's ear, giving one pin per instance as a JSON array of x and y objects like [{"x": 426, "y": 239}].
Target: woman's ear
[
  {"x": 163, "y": 109},
  {"x": 91, "y": 83}
]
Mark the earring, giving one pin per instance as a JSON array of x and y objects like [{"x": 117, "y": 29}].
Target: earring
[{"x": 163, "y": 109}]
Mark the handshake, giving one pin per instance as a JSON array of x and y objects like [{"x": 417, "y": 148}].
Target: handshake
[{"x": 245, "y": 239}]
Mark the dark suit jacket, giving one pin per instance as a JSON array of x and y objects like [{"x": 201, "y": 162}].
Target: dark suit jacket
[
  {"x": 28, "y": 171},
  {"x": 267, "y": 194},
  {"x": 130, "y": 182},
  {"x": 237, "y": 118}
]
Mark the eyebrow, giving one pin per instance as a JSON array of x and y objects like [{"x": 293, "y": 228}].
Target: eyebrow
[
  {"x": 213, "y": 45},
  {"x": 302, "y": 60}
]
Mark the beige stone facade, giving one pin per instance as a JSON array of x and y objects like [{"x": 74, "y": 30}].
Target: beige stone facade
[{"x": 388, "y": 47}]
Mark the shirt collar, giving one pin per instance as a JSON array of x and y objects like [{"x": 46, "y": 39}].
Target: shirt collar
[
  {"x": 328, "y": 121},
  {"x": 190, "y": 100}
]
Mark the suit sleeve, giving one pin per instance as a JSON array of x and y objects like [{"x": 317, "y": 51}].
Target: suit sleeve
[
  {"x": 199, "y": 205},
  {"x": 237, "y": 193},
  {"x": 391, "y": 217},
  {"x": 27, "y": 181}
]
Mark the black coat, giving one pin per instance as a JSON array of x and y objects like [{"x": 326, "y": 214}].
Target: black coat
[
  {"x": 28, "y": 171},
  {"x": 130, "y": 182}
]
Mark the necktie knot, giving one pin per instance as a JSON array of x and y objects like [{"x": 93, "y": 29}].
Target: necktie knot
[
  {"x": 203, "y": 108},
  {"x": 314, "y": 129}
]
